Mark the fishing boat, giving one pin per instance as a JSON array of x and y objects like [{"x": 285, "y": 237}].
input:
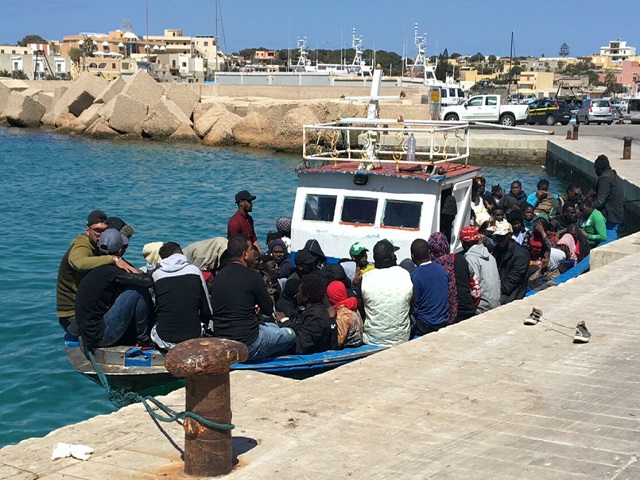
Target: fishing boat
[{"x": 360, "y": 179}]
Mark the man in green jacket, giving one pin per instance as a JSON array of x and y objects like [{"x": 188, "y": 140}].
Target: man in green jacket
[
  {"x": 593, "y": 223},
  {"x": 81, "y": 257}
]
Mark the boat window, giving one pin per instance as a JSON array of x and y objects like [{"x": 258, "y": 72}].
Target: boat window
[
  {"x": 402, "y": 214},
  {"x": 320, "y": 207},
  {"x": 359, "y": 210}
]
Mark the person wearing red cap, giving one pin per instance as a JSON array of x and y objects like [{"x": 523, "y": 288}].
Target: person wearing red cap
[
  {"x": 484, "y": 268},
  {"x": 241, "y": 223}
]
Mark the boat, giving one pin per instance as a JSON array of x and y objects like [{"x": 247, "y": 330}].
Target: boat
[
  {"x": 358, "y": 66},
  {"x": 360, "y": 178},
  {"x": 420, "y": 73}
]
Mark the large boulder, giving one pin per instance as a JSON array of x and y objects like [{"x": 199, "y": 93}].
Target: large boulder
[
  {"x": 45, "y": 99},
  {"x": 6, "y": 87},
  {"x": 183, "y": 97},
  {"x": 143, "y": 88},
  {"x": 221, "y": 132},
  {"x": 163, "y": 119},
  {"x": 106, "y": 109},
  {"x": 100, "y": 130},
  {"x": 254, "y": 131},
  {"x": 128, "y": 114},
  {"x": 80, "y": 94},
  {"x": 184, "y": 134},
  {"x": 23, "y": 111},
  {"x": 289, "y": 129},
  {"x": 69, "y": 123},
  {"x": 110, "y": 91},
  {"x": 91, "y": 114},
  {"x": 205, "y": 119}
]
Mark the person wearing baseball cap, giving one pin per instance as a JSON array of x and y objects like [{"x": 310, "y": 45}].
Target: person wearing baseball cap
[
  {"x": 513, "y": 264},
  {"x": 81, "y": 257},
  {"x": 109, "y": 299},
  {"x": 484, "y": 267},
  {"x": 386, "y": 293},
  {"x": 358, "y": 253},
  {"x": 241, "y": 223}
]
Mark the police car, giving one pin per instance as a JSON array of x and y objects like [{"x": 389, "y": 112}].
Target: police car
[{"x": 549, "y": 112}]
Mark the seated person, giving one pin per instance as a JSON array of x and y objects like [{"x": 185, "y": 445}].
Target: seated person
[
  {"x": 110, "y": 300},
  {"x": 238, "y": 295},
  {"x": 430, "y": 291},
  {"x": 549, "y": 268},
  {"x": 540, "y": 240},
  {"x": 497, "y": 192},
  {"x": 564, "y": 219},
  {"x": 183, "y": 309},
  {"x": 517, "y": 193},
  {"x": 519, "y": 232},
  {"x": 269, "y": 272},
  {"x": 315, "y": 330},
  {"x": 279, "y": 252},
  {"x": 348, "y": 319},
  {"x": 593, "y": 223},
  {"x": 358, "y": 254},
  {"x": 529, "y": 217},
  {"x": 206, "y": 254},
  {"x": 386, "y": 292}
]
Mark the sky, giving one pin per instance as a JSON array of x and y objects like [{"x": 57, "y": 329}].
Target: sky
[{"x": 463, "y": 26}]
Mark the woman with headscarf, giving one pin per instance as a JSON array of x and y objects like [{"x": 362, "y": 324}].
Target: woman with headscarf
[
  {"x": 348, "y": 319},
  {"x": 568, "y": 240},
  {"x": 278, "y": 250},
  {"x": 439, "y": 252}
]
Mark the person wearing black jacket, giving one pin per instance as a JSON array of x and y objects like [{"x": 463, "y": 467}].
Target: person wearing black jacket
[
  {"x": 237, "y": 296},
  {"x": 608, "y": 194},
  {"x": 316, "y": 331},
  {"x": 110, "y": 299},
  {"x": 513, "y": 265}
]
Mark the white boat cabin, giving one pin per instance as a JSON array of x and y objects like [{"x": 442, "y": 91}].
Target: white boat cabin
[{"x": 391, "y": 184}]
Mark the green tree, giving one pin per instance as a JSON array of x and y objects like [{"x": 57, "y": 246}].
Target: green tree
[
  {"x": 455, "y": 55},
  {"x": 31, "y": 39},
  {"x": 20, "y": 75},
  {"x": 5, "y": 73},
  {"x": 478, "y": 57},
  {"x": 76, "y": 54},
  {"x": 88, "y": 46},
  {"x": 564, "y": 50}
]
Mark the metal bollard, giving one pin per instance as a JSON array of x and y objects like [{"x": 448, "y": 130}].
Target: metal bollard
[
  {"x": 626, "y": 151},
  {"x": 569, "y": 135},
  {"x": 205, "y": 362},
  {"x": 575, "y": 131}
]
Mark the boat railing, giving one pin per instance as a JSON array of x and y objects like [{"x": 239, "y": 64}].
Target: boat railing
[{"x": 377, "y": 141}]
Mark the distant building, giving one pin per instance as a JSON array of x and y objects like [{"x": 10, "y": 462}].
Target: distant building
[
  {"x": 36, "y": 61},
  {"x": 612, "y": 56}
]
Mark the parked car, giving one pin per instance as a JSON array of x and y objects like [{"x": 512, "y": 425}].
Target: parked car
[
  {"x": 549, "y": 112},
  {"x": 595, "y": 110},
  {"x": 485, "y": 108}
]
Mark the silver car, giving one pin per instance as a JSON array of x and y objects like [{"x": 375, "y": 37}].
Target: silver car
[{"x": 595, "y": 110}]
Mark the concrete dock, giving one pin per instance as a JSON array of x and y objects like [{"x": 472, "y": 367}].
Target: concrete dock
[{"x": 487, "y": 398}]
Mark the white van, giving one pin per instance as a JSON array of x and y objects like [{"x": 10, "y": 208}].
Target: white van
[{"x": 451, "y": 95}]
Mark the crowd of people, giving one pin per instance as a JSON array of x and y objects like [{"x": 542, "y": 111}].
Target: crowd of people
[{"x": 275, "y": 304}]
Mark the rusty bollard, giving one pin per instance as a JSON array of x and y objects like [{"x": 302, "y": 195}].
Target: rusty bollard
[
  {"x": 575, "y": 131},
  {"x": 626, "y": 151},
  {"x": 569, "y": 135},
  {"x": 205, "y": 362}
]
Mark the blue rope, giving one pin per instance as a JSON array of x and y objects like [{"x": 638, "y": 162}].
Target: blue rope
[{"x": 122, "y": 398}]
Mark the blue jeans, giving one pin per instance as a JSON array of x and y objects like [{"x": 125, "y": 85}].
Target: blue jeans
[
  {"x": 130, "y": 306},
  {"x": 272, "y": 340}
]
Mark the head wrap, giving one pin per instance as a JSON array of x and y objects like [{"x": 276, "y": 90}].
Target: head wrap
[
  {"x": 568, "y": 240},
  {"x": 439, "y": 251},
  {"x": 349, "y": 269},
  {"x": 151, "y": 254},
  {"x": 469, "y": 234},
  {"x": 337, "y": 294}
]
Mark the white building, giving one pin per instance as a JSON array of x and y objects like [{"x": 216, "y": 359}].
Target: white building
[{"x": 618, "y": 50}]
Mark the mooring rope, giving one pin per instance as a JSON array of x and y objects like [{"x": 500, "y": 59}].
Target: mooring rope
[{"x": 122, "y": 398}]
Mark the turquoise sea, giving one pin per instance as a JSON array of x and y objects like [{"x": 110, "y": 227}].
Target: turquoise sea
[{"x": 49, "y": 184}]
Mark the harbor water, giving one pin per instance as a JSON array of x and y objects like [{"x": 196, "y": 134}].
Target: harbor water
[{"x": 49, "y": 184}]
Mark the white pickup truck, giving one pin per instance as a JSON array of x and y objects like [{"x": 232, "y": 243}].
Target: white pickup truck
[{"x": 486, "y": 108}]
